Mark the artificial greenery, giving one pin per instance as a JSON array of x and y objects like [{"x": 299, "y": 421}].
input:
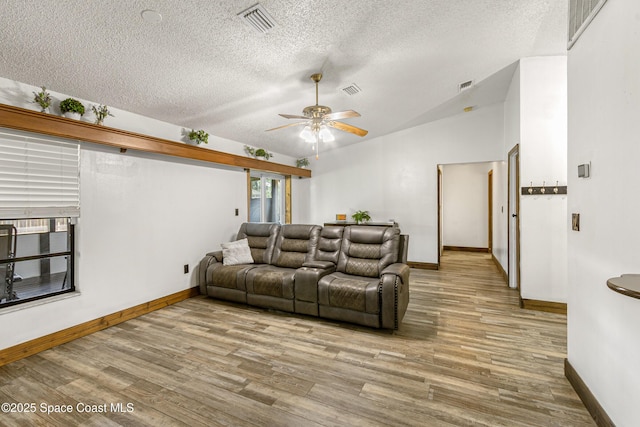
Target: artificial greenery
[
  {"x": 43, "y": 99},
  {"x": 101, "y": 112},
  {"x": 257, "y": 152},
  {"x": 71, "y": 105},
  {"x": 261, "y": 152},
  {"x": 361, "y": 216},
  {"x": 199, "y": 136},
  {"x": 302, "y": 163}
]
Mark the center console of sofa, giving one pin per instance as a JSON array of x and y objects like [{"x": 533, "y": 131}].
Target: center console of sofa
[{"x": 351, "y": 273}]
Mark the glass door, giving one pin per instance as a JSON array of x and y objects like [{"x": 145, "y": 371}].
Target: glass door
[{"x": 267, "y": 198}]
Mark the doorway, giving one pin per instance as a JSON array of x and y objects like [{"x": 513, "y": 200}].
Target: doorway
[
  {"x": 514, "y": 220},
  {"x": 465, "y": 207}
]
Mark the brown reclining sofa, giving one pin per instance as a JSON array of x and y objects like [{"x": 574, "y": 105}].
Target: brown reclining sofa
[{"x": 356, "y": 274}]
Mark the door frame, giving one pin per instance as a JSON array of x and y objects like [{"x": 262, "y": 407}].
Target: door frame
[
  {"x": 439, "y": 167},
  {"x": 513, "y": 228},
  {"x": 490, "y": 212}
]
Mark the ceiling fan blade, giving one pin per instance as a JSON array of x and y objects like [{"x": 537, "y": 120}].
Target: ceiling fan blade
[
  {"x": 347, "y": 114},
  {"x": 348, "y": 128},
  {"x": 286, "y": 126},
  {"x": 292, "y": 116}
]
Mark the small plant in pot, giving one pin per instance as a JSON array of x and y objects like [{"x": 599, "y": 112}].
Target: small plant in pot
[
  {"x": 101, "y": 112},
  {"x": 199, "y": 136},
  {"x": 302, "y": 163},
  {"x": 43, "y": 99},
  {"x": 263, "y": 154},
  {"x": 72, "y": 108},
  {"x": 361, "y": 217},
  {"x": 258, "y": 153}
]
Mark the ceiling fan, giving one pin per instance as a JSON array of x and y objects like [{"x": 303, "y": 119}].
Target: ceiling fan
[{"x": 318, "y": 118}]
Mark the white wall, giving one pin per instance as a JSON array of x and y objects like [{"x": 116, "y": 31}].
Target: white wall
[
  {"x": 604, "y": 106},
  {"x": 301, "y": 203},
  {"x": 395, "y": 176},
  {"x": 465, "y": 207},
  {"x": 142, "y": 217},
  {"x": 536, "y": 118}
]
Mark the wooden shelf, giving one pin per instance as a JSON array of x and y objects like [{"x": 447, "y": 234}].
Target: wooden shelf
[{"x": 49, "y": 124}]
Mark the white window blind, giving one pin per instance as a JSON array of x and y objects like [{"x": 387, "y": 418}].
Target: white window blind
[{"x": 39, "y": 176}]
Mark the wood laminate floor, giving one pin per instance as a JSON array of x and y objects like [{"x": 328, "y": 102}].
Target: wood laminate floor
[{"x": 465, "y": 355}]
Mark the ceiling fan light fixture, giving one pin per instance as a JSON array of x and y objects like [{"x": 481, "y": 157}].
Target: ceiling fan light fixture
[
  {"x": 307, "y": 135},
  {"x": 326, "y": 135}
]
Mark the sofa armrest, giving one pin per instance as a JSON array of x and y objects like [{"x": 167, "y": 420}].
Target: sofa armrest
[
  {"x": 210, "y": 258},
  {"x": 394, "y": 282},
  {"x": 398, "y": 269},
  {"x": 216, "y": 254},
  {"x": 306, "y": 281},
  {"x": 324, "y": 265}
]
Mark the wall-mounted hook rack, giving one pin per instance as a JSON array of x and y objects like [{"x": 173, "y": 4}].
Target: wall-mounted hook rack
[{"x": 549, "y": 190}]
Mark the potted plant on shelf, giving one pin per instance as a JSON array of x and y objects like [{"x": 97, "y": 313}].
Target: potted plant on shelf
[
  {"x": 361, "y": 217},
  {"x": 302, "y": 163},
  {"x": 72, "y": 108},
  {"x": 262, "y": 154},
  {"x": 258, "y": 153},
  {"x": 199, "y": 136},
  {"x": 101, "y": 112},
  {"x": 43, "y": 99}
]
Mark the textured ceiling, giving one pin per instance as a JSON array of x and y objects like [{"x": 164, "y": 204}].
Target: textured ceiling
[{"x": 202, "y": 67}]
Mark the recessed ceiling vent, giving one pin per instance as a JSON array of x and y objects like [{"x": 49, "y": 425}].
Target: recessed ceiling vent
[
  {"x": 352, "y": 89},
  {"x": 465, "y": 85},
  {"x": 258, "y": 18}
]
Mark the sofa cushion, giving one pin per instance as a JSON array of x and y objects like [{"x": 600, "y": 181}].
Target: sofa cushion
[
  {"x": 295, "y": 244},
  {"x": 237, "y": 252},
  {"x": 229, "y": 276},
  {"x": 349, "y": 292},
  {"x": 261, "y": 238},
  {"x": 271, "y": 281},
  {"x": 367, "y": 250},
  {"x": 329, "y": 243}
]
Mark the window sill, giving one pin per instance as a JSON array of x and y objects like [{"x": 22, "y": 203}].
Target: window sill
[{"x": 43, "y": 301}]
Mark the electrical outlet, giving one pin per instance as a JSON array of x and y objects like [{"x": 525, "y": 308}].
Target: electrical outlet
[{"x": 186, "y": 268}]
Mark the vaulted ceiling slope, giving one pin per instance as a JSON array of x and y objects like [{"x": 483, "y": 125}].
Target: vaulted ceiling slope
[{"x": 202, "y": 67}]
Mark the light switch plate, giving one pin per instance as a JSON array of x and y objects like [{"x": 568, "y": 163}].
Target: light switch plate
[
  {"x": 584, "y": 170},
  {"x": 575, "y": 221}
]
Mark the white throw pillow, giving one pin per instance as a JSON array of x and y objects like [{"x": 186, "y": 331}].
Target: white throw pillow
[{"x": 236, "y": 252}]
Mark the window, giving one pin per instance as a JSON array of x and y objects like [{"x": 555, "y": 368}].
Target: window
[
  {"x": 35, "y": 265},
  {"x": 39, "y": 199},
  {"x": 267, "y": 201}
]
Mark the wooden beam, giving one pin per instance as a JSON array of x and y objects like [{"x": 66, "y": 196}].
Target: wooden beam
[
  {"x": 287, "y": 200},
  {"x": 49, "y": 124}
]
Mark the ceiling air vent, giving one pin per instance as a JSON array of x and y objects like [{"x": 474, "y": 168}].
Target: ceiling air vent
[
  {"x": 258, "y": 18},
  {"x": 465, "y": 85},
  {"x": 352, "y": 89}
]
